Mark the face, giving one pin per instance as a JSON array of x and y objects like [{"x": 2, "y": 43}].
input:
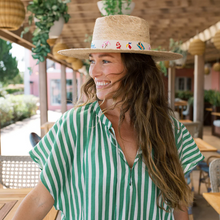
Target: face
[{"x": 105, "y": 69}]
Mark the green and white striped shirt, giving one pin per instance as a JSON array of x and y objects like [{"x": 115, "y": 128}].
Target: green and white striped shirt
[{"x": 86, "y": 172}]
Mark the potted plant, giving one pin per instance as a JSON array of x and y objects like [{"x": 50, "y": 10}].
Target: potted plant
[
  {"x": 47, "y": 14},
  {"x": 114, "y": 7}
]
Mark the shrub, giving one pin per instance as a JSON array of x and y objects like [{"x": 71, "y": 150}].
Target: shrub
[
  {"x": 184, "y": 94},
  {"x": 214, "y": 99},
  {"x": 11, "y": 91},
  {"x": 14, "y": 108},
  {"x": 6, "y": 112}
]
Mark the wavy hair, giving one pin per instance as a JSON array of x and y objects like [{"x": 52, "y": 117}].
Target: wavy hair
[{"x": 150, "y": 115}]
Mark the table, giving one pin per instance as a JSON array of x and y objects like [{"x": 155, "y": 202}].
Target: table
[
  {"x": 208, "y": 109},
  {"x": 10, "y": 200},
  {"x": 204, "y": 146},
  {"x": 216, "y": 113},
  {"x": 185, "y": 120},
  {"x": 214, "y": 200},
  {"x": 182, "y": 104}
]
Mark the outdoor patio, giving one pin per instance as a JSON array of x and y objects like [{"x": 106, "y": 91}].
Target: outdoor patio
[{"x": 20, "y": 145}]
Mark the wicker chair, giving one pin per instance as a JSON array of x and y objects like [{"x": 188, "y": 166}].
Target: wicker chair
[
  {"x": 214, "y": 171},
  {"x": 204, "y": 174},
  {"x": 18, "y": 172}
]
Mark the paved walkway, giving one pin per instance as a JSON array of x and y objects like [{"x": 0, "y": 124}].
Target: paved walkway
[{"x": 15, "y": 137}]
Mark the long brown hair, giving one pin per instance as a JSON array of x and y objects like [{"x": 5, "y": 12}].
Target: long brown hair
[{"x": 150, "y": 115}]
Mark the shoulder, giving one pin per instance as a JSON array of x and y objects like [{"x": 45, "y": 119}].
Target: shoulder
[{"x": 79, "y": 114}]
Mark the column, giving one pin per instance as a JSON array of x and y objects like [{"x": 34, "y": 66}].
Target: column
[
  {"x": 198, "y": 111},
  {"x": 63, "y": 89},
  {"x": 43, "y": 94},
  {"x": 171, "y": 87},
  {"x": 74, "y": 88}
]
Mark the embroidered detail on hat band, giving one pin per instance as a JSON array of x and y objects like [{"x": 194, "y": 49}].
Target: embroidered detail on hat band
[{"x": 120, "y": 45}]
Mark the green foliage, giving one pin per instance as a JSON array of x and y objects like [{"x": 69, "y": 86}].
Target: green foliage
[
  {"x": 3, "y": 93},
  {"x": 46, "y": 11},
  {"x": 8, "y": 64},
  {"x": 114, "y": 7},
  {"x": 163, "y": 69},
  {"x": 208, "y": 95},
  {"x": 11, "y": 91},
  {"x": 14, "y": 108},
  {"x": 215, "y": 98},
  {"x": 6, "y": 112},
  {"x": 175, "y": 46},
  {"x": 185, "y": 95}
]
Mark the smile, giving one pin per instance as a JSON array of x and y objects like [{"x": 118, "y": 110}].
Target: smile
[{"x": 102, "y": 83}]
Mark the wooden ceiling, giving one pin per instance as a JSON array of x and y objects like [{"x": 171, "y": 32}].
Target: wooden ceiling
[{"x": 177, "y": 19}]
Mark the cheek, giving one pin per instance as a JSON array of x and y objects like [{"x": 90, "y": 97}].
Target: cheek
[{"x": 90, "y": 71}]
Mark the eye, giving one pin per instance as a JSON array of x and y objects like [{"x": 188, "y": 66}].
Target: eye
[
  {"x": 105, "y": 61},
  {"x": 91, "y": 61}
]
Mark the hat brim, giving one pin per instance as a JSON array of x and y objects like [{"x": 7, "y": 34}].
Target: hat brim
[{"x": 83, "y": 53}]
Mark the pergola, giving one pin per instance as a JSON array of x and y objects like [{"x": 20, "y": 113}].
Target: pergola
[{"x": 177, "y": 19}]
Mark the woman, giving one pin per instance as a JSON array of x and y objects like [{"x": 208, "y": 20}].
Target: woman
[{"x": 120, "y": 155}]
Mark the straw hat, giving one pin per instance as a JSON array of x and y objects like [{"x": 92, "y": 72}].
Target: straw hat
[{"x": 120, "y": 34}]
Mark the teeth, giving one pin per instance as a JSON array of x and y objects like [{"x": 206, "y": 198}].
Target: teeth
[{"x": 102, "y": 83}]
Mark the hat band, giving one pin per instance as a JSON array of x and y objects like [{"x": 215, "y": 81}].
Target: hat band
[{"x": 120, "y": 45}]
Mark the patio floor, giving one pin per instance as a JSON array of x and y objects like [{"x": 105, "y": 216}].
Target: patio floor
[{"x": 15, "y": 141}]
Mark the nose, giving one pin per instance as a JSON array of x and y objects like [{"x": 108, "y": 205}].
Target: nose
[{"x": 95, "y": 70}]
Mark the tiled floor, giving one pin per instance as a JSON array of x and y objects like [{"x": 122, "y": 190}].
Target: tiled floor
[{"x": 201, "y": 209}]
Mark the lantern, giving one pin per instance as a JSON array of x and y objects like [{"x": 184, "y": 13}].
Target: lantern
[
  {"x": 197, "y": 47},
  {"x": 216, "y": 67},
  {"x": 216, "y": 40},
  {"x": 51, "y": 41},
  {"x": 12, "y": 14},
  {"x": 77, "y": 64},
  {"x": 70, "y": 59},
  {"x": 206, "y": 70},
  {"x": 56, "y": 48}
]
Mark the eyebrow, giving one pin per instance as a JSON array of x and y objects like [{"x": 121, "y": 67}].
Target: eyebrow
[{"x": 102, "y": 55}]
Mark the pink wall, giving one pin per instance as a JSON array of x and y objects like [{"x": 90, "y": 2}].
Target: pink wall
[
  {"x": 51, "y": 74},
  {"x": 215, "y": 80}
]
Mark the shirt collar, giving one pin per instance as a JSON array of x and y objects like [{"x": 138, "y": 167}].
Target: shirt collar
[{"x": 101, "y": 115}]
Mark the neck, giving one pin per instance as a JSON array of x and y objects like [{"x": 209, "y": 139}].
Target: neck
[{"x": 113, "y": 111}]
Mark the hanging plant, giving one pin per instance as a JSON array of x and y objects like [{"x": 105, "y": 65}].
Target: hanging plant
[
  {"x": 115, "y": 7},
  {"x": 46, "y": 12},
  {"x": 175, "y": 46}
]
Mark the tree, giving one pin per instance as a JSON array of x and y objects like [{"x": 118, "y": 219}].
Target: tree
[{"x": 8, "y": 64}]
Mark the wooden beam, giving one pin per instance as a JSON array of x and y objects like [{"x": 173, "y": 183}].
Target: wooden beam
[
  {"x": 63, "y": 89},
  {"x": 171, "y": 87},
  {"x": 43, "y": 94},
  {"x": 198, "y": 111},
  {"x": 14, "y": 37}
]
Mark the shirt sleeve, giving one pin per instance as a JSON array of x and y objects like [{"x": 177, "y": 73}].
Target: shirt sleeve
[
  {"x": 54, "y": 154},
  {"x": 188, "y": 151}
]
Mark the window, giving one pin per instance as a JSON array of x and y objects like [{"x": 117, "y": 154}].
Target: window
[
  {"x": 55, "y": 91},
  {"x": 183, "y": 84}
]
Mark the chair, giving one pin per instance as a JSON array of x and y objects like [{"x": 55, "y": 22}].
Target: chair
[
  {"x": 189, "y": 181},
  {"x": 214, "y": 170},
  {"x": 204, "y": 175},
  {"x": 186, "y": 112},
  {"x": 177, "y": 115},
  {"x": 34, "y": 138},
  {"x": 47, "y": 126},
  {"x": 193, "y": 128},
  {"x": 18, "y": 172}
]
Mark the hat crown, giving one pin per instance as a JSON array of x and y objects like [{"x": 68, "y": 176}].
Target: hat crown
[{"x": 121, "y": 27}]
